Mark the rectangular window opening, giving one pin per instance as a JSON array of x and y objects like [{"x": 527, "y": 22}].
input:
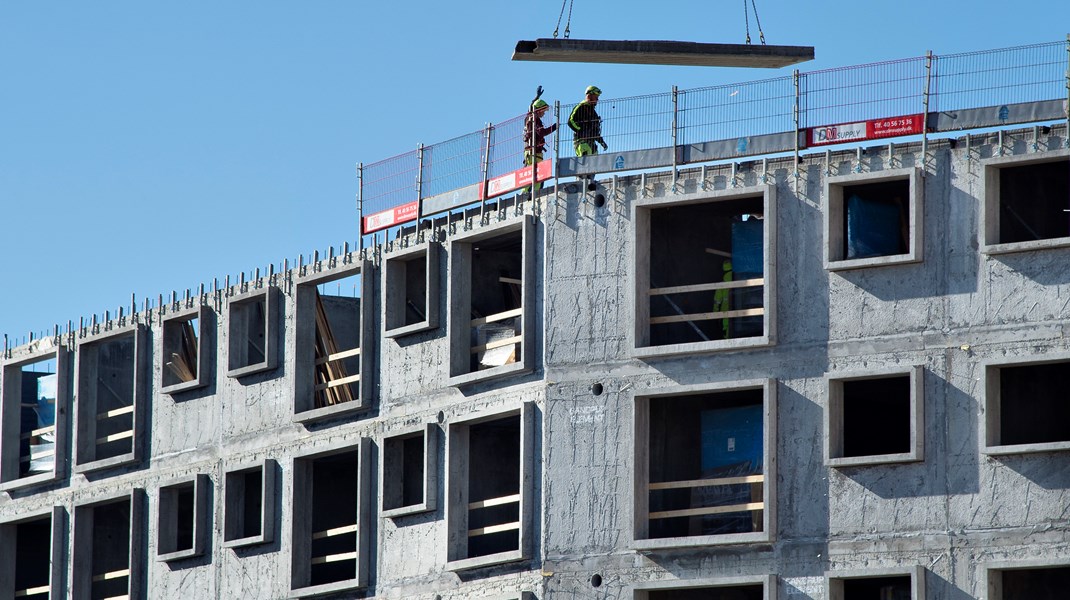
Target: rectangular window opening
[
  {"x": 706, "y": 271},
  {"x": 1032, "y": 404},
  {"x": 410, "y": 290},
  {"x": 109, "y": 390},
  {"x": 184, "y": 357},
  {"x": 706, "y": 461},
  {"x": 338, "y": 335},
  {"x": 109, "y": 550},
  {"x": 182, "y": 519},
  {"x": 248, "y": 503},
  {"x": 497, "y": 301},
  {"x": 1041, "y": 583},
  {"x": 1034, "y": 202},
  {"x": 28, "y": 549},
  {"x": 329, "y": 533},
  {"x": 883, "y": 588},
  {"x": 489, "y": 489},
  {"x": 252, "y": 336},
  {"x": 31, "y": 390},
  {"x": 408, "y": 484}
]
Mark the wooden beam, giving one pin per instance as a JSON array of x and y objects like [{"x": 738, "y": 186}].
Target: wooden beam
[
  {"x": 516, "y": 312},
  {"x": 494, "y": 502},
  {"x": 705, "y": 287},
  {"x": 494, "y": 529},
  {"x": 710, "y": 510},
  {"x": 727, "y": 314},
  {"x": 693, "y": 483}
]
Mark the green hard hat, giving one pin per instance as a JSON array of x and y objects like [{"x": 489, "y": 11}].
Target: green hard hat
[
  {"x": 593, "y": 89},
  {"x": 540, "y": 103}
]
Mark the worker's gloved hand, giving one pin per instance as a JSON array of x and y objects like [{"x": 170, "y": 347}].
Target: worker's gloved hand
[{"x": 605, "y": 146}]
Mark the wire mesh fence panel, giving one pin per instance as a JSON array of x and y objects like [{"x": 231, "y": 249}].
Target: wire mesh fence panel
[
  {"x": 389, "y": 183},
  {"x": 999, "y": 77},
  {"x": 634, "y": 123},
  {"x": 452, "y": 164},
  {"x": 862, "y": 93},
  {"x": 506, "y": 147},
  {"x": 737, "y": 110}
]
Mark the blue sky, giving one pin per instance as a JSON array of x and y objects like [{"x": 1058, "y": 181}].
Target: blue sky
[{"x": 153, "y": 146}]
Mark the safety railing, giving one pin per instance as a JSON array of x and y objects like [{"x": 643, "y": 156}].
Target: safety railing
[{"x": 913, "y": 96}]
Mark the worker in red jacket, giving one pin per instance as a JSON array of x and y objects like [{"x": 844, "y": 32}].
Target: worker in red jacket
[{"x": 535, "y": 136}]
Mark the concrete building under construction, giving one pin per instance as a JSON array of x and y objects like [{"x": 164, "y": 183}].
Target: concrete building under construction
[{"x": 832, "y": 374}]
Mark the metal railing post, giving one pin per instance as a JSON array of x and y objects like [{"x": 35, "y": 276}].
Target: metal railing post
[
  {"x": 675, "y": 149},
  {"x": 419, "y": 188},
  {"x": 925, "y": 111},
  {"x": 557, "y": 148},
  {"x": 1066, "y": 134},
  {"x": 486, "y": 170},
  {"x": 796, "y": 116},
  {"x": 360, "y": 204}
]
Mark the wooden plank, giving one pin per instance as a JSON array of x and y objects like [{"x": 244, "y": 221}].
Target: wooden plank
[
  {"x": 497, "y": 344},
  {"x": 692, "y": 483},
  {"x": 494, "y": 501},
  {"x": 718, "y": 252},
  {"x": 319, "y": 560},
  {"x": 39, "y": 456},
  {"x": 705, "y": 287},
  {"x": 319, "y": 535},
  {"x": 338, "y": 356},
  {"x": 44, "y": 589},
  {"x": 111, "y": 575},
  {"x": 710, "y": 510},
  {"x": 37, "y": 432},
  {"x": 123, "y": 597},
  {"x": 337, "y": 382},
  {"x": 516, "y": 312},
  {"x": 126, "y": 410},
  {"x": 494, "y": 529},
  {"x": 728, "y": 314},
  {"x": 328, "y": 371},
  {"x": 115, "y": 437},
  {"x": 510, "y": 280}
]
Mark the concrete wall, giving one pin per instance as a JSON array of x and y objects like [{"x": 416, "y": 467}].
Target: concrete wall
[{"x": 951, "y": 513}]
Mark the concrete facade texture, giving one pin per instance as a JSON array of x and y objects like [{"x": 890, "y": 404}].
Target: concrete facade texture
[{"x": 942, "y": 518}]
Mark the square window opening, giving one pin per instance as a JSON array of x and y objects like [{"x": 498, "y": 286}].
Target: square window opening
[
  {"x": 329, "y": 535},
  {"x": 705, "y": 465},
  {"x": 1042, "y": 583},
  {"x": 103, "y": 566},
  {"x": 408, "y": 472},
  {"x": 728, "y": 592},
  {"x": 182, "y": 519},
  {"x": 706, "y": 271},
  {"x": 1032, "y": 404},
  {"x": 109, "y": 390},
  {"x": 248, "y": 503},
  {"x": 251, "y": 340},
  {"x": 30, "y": 393},
  {"x": 876, "y": 219},
  {"x": 410, "y": 296},
  {"x": 876, "y": 416},
  {"x": 1034, "y": 200}
]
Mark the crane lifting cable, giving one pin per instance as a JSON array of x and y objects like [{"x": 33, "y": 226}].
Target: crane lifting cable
[{"x": 661, "y": 52}]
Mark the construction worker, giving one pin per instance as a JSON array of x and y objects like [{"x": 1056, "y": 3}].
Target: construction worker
[
  {"x": 586, "y": 125},
  {"x": 535, "y": 137}
]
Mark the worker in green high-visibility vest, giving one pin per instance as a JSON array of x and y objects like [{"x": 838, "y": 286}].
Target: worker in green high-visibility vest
[{"x": 586, "y": 125}]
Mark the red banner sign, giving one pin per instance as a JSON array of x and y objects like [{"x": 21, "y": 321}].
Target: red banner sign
[
  {"x": 519, "y": 178},
  {"x": 865, "y": 130},
  {"x": 390, "y": 217}
]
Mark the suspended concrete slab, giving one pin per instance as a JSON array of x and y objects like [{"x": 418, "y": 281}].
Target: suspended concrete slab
[{"x": 654, "y": 52}]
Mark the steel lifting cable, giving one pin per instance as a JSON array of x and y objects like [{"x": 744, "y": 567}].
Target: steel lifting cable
[
  {"x": 746, "y": 21},
  {"x": 569, "y": 21}
]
